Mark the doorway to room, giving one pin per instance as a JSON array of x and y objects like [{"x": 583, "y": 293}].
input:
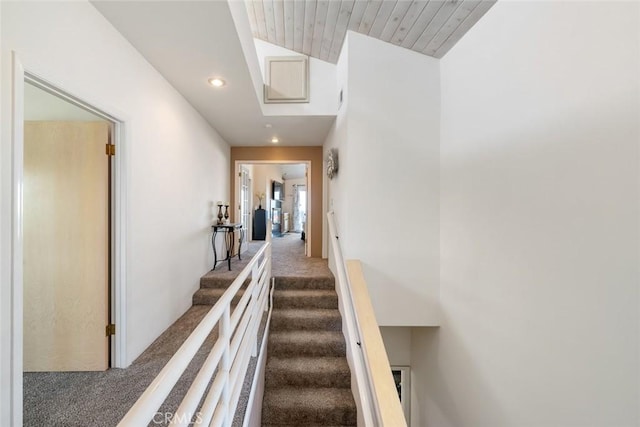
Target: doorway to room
[
  {"x": 67, "y": 226},
  {"x": 275, "y": 192}
]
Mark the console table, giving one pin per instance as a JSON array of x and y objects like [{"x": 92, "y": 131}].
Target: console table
[{"x": 229, "y": 231}]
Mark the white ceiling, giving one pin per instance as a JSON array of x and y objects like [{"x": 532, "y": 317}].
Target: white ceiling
[
  {"x": 318, "y": 27},
  {"x": 190, "y": 41}
]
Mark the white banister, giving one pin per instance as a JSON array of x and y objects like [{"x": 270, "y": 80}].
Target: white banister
[
  {"x": 374, "y": 388},
  {"x": 230, "y": 355}
]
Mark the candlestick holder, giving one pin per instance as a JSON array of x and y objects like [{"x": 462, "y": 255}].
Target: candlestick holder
[{"x": 226, "y": 214}]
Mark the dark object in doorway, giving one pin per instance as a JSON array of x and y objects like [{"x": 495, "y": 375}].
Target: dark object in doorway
[
  {"x": 302, "y": 237},
  {"x": 260, "y": 224}
]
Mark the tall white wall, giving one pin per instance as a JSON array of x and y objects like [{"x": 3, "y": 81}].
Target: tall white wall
[
  {"x": 539, "y": 222},
  {"x": 177, "y": 164},
  {"x": 386, "y": 192},
  {"x": 336, "y": 188}
]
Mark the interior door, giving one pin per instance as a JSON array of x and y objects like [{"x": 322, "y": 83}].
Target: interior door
[
  {"x": 245, "y": 202},
  {"x": 66, "y": 246}
]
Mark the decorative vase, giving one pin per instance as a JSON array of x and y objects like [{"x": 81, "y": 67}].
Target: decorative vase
[
  {"x": 226, "y": 214},
  {"x": 219, "y": 214},
  {"x": 259, "y": 206}
]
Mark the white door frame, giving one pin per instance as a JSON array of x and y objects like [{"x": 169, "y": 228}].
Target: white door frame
[
  {"x": 118, "y": 254},
  {"x": 249, "y": 229},
  {"x": 236, "y": 169}
]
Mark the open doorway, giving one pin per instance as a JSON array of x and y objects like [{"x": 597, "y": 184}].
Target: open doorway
[
  {"x": 299, "y": 209},
  {"x": 67, "y": 226},
  {"x": 279, "y": 193}
]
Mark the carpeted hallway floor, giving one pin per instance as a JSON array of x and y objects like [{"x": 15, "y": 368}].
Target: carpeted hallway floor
[{"x": 102, "y": 398}]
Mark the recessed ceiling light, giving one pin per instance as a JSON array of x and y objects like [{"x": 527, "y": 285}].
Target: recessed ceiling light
[
  {"x": 217, "y": 82},
  {"x": 275, "y": 140},
  {"x": 268, "y": 125}
]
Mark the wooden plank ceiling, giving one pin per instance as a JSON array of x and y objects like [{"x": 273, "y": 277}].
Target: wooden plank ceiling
[{"x": 318, "y": 27}]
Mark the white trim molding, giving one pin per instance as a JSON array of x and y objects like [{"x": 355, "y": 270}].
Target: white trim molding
[
  {"x": 17, "y": 132},
  {"x": 119, "y": 211}
]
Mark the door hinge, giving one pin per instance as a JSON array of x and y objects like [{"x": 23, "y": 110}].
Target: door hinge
[
  {"x": 111, "y": 329},
  {"x": 110, "y": 150}
]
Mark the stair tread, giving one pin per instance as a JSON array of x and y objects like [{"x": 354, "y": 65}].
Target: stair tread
[
  {"x": 311, "y": 313},
  {"x": 319, "y": 399},
  {"x": 304, "y": 365},
  {"x": 305, "y": 292},
  {"x": 305, "y": 298},
  {"x": 306, "y": 336},
  {"x": 327, "y": 319},
  {"x": 213, "y": 282},
  {"x": 306, "y": 343},
  {"x": 300, "y": 282},
  {"x": 216, "y": 291},
  {"x": 320, "y": 372},
  {"x": 210, "y": 296},
  {"x": 302, "y": 406}
]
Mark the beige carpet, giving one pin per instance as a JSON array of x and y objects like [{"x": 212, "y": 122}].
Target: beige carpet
[
  {"x": 288, "y": 260},
  {"x": 307, "y": 378},
  {"x": 80, "y": 399}
]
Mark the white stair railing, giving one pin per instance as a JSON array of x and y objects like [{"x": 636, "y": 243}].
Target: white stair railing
[
  {"x": 230, "y": 355},
  {"x": 374, "y": 389}
]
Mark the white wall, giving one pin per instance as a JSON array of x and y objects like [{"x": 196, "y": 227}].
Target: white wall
[
  {"x": 336, "y": 188},
  {"x": 177, "y": 164},
  {"x": 397, "y": 343},
  {"x": 539, "y": 222},
  {"x": 387, "y": 188},
  {"x": 423, "y": 348}
]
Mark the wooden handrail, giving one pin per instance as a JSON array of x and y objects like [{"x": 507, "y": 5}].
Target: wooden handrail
[
  {"x": 374, "y": 391},
  {"x": 375, "y": 355}
]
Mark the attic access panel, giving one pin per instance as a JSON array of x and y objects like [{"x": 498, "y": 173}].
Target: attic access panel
[{"x": 287, "y": 79}]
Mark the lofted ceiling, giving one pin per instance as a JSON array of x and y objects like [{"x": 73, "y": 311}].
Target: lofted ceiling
[
  {"x": 318, "y": 27},
  {"x": 190, "y": 41}
]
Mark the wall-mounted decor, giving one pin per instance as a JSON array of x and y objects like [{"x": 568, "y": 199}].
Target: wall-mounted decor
[{"x": 332, "y": 163}]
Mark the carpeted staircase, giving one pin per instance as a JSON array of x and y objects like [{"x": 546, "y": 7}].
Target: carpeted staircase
[{"x": 307, "y": 379}]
